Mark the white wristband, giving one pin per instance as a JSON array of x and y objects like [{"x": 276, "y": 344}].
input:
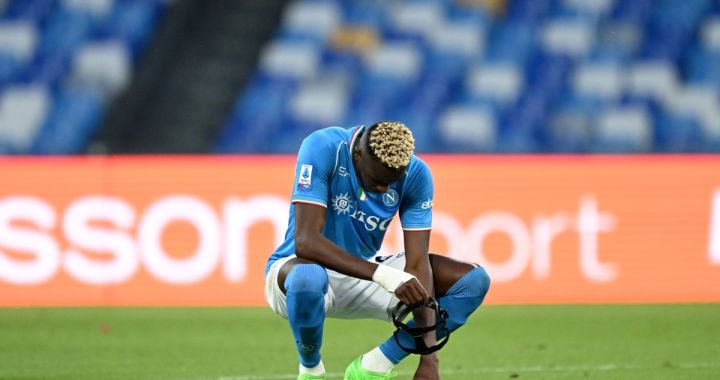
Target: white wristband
[{"x": 390, "y": 278}]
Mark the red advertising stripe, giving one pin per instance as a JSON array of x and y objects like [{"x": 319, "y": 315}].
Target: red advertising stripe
[{"x": 191, "y": 230}]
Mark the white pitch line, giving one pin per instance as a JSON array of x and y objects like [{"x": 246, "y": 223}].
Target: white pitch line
[{"x": 450, "y": 372}]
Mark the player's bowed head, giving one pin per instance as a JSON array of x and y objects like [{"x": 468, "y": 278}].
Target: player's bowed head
[{"x": 382, "y": 154}]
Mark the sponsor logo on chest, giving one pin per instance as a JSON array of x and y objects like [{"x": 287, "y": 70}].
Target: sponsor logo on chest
[{"x": 343, "y": 205}]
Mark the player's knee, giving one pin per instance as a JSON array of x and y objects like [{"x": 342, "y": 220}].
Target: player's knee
[
  {"x": 484, "y": 281},
  {"x": 306, "y": 285},
  {"x": 307, "y": 278},
  {"x": 478, "y": 283}
]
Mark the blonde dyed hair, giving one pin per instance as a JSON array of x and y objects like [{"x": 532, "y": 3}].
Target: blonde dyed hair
[{"x": 392, "y": 143}]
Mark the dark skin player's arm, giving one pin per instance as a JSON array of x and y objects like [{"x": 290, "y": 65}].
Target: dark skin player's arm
[
  {"x": 418, "y": 263},
  {"x": 311, "y": 245}
]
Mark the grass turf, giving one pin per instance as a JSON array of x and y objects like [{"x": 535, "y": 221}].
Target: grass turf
[{"x": 499, "y": 342}]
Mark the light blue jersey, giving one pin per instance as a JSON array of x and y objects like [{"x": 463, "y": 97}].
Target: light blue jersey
[{"x": 355, "y": 220}]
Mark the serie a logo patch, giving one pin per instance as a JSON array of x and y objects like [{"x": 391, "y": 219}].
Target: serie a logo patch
[{"x": 305, "y": 178}]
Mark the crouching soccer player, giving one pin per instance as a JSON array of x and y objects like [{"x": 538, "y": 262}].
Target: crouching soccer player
[{"x": 349, "y": 183}]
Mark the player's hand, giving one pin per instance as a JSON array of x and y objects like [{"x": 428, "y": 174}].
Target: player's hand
[{"x": 412, "y": 293}]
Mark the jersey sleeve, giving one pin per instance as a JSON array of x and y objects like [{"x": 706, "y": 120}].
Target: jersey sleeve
[
  {"x": 417, "y": 202},
  {"x": 314, "y": 166}
]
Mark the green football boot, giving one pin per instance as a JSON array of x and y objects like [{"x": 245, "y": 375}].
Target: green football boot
[{"x": 355, "y": 372}]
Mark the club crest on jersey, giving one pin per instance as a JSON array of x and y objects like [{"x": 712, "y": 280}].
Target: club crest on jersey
[
  {"x": 341, "y": 203},
  {"x": 305, "y": 178},
  {"x": 390, "y": 198}
]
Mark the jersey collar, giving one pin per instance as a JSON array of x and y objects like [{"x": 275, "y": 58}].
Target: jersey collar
[{"x": 355, "y": 136}]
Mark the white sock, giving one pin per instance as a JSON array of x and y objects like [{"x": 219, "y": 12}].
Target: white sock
[
  {"x": 376, "y": 361},
  {"x": 317, "y": 370}
]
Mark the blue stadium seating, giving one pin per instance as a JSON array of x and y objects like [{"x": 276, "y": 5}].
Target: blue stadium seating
[
  {"x": 71, "y": 122},
  {"x": 542, "y": 76},
  {"x": 581, "y": 76},
  {"x": 78, "y": 52}
]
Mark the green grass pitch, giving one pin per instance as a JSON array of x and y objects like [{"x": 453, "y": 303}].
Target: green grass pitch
[{"x": 499, "y": 342}]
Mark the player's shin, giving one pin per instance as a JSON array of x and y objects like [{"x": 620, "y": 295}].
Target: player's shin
[
  {"x": 306, "y": 285},
  {"x": 461, "y": 300}
]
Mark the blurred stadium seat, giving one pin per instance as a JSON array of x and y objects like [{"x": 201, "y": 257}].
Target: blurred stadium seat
[
  {"x": 61, "y": 63},
  {"x": 623, "y": 130},
  {"x": 468, "y": 128},
  {"x": 22, "y": 112}
]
